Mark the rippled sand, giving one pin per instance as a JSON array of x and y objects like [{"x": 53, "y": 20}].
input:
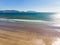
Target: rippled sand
[{"x": 27, "y": 34}]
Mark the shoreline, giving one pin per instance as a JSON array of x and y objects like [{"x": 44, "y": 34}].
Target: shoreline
[{"x": 24, "y": 33}]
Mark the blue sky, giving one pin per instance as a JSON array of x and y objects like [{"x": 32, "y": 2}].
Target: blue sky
[{"x": 35, "y": 5}]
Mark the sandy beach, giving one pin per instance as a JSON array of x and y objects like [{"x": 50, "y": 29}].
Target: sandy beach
[{"x": 24, "y": 33}]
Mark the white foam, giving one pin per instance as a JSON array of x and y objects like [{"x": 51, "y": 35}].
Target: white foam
[{"x": 14, "y": 20}]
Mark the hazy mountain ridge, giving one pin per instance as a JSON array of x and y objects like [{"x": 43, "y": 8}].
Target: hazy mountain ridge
[
  {"x": 9, "y": 11},
  {"x": 16, "y": 11}
]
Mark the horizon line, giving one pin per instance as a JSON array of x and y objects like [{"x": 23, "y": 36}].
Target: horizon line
[{"x": 26, "y": 10}]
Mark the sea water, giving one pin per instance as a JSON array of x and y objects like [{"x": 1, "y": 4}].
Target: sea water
[{"x": 52, "y": 19}]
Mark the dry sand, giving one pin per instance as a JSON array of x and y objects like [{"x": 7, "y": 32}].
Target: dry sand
[{"x": 24, "y": 33}]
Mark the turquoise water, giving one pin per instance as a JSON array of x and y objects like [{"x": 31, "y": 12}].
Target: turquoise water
[
  {"x": 27, "y": 16},
  {"x": 52, "y": 19}
]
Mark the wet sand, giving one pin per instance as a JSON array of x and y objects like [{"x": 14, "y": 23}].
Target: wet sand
[{"x": 24, "y": 33}]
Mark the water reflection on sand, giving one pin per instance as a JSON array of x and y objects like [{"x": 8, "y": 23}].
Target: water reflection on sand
[
  {"x": 52, "y": 41},
  {"x": 56, "y": 41},
  {"x": 27, "y": 34}
]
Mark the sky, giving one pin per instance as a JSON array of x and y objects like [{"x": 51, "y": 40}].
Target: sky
[{"x": 32, "y": 5}]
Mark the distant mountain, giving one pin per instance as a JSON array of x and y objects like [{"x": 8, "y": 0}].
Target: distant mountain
[
  {"x": 31, "y": 12},
  {"x": 9, "y": 11},
  {"x": 15, "y": 11}
]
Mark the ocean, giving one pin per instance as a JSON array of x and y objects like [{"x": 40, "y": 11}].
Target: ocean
[
  {"x": 36, "y": 28},
  {"x": 52, "y": 19}
]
